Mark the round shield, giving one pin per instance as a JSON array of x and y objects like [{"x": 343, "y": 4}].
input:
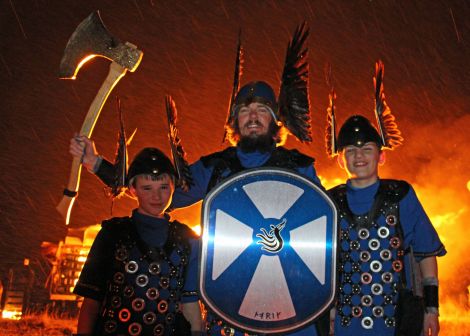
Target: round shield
[{"x": 268, "y": 251}]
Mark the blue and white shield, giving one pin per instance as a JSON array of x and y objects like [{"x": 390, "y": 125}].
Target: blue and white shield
[{"x": 268, "y": 251}]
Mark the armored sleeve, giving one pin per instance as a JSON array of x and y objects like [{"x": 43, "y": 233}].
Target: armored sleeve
[
  {"x": 418, "y": 229},
  {"x": 105, "y": 172},
  {"x": 93, "y": 278}
]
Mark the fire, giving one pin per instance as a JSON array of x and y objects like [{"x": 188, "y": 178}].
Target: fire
[
  {"x": 11, "y": 315},
  {"x": 447, "y": 210}
]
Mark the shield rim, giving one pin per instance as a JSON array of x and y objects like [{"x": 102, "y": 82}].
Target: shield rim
[{"x": 204, "y": 241}]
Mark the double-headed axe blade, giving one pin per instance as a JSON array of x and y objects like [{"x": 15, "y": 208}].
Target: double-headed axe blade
[{"x": 92, "y": 39}]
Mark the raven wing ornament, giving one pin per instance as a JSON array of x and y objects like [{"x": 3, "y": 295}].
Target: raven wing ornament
[
  {"x": 330, "y": 132},
  {"x": 236, "y": 84},
  {"x": 179, "y": 156},
  {"x": 121, "y": 161},
  {"x": 388, "y": 129},
  {"x": 294, "y": 106}
]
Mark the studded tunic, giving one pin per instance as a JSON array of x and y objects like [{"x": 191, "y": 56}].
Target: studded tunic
[
  {"x": 141, "y": 268},
  {"x": 378, "y": 225}
]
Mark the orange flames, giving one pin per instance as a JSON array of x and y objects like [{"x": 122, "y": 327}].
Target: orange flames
[{"x": 448, "y": 212}]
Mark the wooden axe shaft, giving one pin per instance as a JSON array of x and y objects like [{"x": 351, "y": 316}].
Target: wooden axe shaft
[{"x": 116, "y": 72}]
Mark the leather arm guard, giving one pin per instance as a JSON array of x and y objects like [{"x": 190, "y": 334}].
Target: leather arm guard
[
  {"x": 105, "y": 172},
  {"x": 431, "y": 295}
]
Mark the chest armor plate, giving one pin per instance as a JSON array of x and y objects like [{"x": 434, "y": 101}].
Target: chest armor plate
[
  {"x": 145, "y": 289},
  {"x": 370, "y": 263}
]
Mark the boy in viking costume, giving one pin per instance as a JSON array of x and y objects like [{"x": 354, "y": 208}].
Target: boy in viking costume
[
  {"x": 140, "y": 277},
  {"x": 386, "y": 238}
]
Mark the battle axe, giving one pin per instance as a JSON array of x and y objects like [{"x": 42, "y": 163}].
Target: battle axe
[{"x": 92, "y": 39}]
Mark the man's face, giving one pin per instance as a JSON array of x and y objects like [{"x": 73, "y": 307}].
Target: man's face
[
  {"x": 154, "y": 196},
  {"x": 361, "y": 163},
  {"x": 254, "y": 120}
]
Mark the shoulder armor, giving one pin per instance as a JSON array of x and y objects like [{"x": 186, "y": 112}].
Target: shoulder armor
[
  {"x": 116, "y": 223},
  {"x": 296, "y": 158},
  {"x": 337, "y": 192},
  {"x": 213, "y": 159},
  {"x": 396, "y": 190},
  {"x": 184, "y": 231}
]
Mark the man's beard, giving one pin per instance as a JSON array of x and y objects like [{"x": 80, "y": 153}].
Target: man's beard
[{"x": 261, "y": 143}]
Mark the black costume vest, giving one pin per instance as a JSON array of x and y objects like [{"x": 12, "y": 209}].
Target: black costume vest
[
  {"x": 370, "y": 266},
  {"x": 146, "y": 284}
]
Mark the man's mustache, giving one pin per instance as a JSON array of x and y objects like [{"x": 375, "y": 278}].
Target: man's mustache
[{"x": 253, "y": 122}]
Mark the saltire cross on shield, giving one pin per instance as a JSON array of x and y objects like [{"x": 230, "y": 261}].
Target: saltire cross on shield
[{"x": 267, "y": 262}]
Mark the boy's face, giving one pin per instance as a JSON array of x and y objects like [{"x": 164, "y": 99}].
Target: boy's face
[
  {"x": 254, "y": 120},
  {"x": 361, "y": 163},
  {"x": 154, "y": 196}
]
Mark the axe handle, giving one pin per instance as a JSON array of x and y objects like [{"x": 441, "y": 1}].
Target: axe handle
[{"x": 116, "y": 72}]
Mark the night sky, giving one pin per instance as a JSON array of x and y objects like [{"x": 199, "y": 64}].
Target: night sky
[{"x": 189, "y": 51}]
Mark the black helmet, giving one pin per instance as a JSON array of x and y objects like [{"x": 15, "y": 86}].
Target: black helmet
[
  {"x": 256, "y": 92},
  {"x": 357, "y": 131},
  {"x": 150, "y": 161}
]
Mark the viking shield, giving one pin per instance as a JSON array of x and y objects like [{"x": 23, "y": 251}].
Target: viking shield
[{"x": 268, "y": 251}]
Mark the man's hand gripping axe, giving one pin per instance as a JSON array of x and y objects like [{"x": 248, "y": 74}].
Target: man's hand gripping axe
[{"x": 92, "y": 39}]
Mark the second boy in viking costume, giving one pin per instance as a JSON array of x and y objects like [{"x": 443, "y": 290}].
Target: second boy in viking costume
[{"x": 384, "y": 230}]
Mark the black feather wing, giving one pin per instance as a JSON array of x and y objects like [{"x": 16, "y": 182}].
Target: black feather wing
[
  {"x": 330, "y": 132},
  {"x": 236, "y": 83},
  {"x": 179, "y": 156},
  {"x": 388, "y": 129},
  {"x": 121, "y": 159},
  {"x": 294, "y": 105}
]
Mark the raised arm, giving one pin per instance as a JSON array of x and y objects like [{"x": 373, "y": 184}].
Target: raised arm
[{"x": 84, "y": 148}]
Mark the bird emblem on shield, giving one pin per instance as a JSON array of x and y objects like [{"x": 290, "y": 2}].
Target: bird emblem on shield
[{"x": 268, "y": 251}]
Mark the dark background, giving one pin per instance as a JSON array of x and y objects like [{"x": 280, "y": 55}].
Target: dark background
[{"x": 189, "y": 50}]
